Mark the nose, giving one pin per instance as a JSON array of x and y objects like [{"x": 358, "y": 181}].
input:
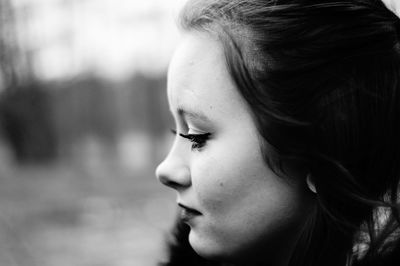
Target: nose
[{"x": 174, "y": 173}]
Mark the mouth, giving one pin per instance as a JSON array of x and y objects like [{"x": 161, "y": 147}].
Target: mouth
[{"x": 188, "y": 213}]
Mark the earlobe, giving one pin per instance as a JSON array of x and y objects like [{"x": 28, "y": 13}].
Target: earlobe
[{"x": 310, "y": 183}]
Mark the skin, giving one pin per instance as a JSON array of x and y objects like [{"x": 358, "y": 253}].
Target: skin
[{"x": 248, "y": 213}]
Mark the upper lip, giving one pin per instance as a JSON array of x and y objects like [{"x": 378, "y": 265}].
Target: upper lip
[{"x": 188, "y": 208}]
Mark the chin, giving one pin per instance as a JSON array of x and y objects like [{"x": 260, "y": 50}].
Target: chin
[{"x": 209, "y": 249}]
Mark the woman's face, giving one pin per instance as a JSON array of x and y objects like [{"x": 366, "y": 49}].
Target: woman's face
[{"x": 234, "y": 204}]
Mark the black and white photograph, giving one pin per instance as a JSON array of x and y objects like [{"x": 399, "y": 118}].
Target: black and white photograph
[{"x": 200, "y": 133}]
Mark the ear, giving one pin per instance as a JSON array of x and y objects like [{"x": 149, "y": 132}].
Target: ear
[{"x": 310, "y": 183}]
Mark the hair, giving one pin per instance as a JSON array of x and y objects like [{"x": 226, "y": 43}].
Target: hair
[{"x": 322, "y": 80}]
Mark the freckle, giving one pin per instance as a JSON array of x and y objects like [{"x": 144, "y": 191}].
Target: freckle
[{"x": 221, "y": 184}]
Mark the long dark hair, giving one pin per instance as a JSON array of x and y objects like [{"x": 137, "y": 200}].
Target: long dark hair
[{"x": 322, "y": 79}]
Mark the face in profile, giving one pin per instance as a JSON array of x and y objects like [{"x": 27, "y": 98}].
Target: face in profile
[{"x": 234, "y": 204}]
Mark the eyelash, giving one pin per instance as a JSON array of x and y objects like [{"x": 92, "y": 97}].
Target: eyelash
[{"x": 198, "y": 140}]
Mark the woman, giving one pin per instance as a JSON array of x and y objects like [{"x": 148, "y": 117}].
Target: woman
[{"x": 287, "y": 147}]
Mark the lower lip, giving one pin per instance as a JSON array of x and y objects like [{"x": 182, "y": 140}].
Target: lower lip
[{"x": 188, "y": 215}]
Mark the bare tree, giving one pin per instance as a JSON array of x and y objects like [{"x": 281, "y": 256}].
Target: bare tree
[
  {"x": 8, "y": 45},
  {"x": 25, "y": 113}
]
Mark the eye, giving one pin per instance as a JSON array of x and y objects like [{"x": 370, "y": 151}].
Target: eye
[{"x": 198, "y": 140}]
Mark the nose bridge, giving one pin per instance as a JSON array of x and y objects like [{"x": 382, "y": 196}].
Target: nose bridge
[{"x": 174, "y": 170}]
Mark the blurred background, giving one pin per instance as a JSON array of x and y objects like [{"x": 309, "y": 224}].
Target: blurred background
[{"x": 83, "y": 124}]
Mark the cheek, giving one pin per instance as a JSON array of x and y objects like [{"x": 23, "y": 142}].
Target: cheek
[
  {"x": 234, "y": 180},
  {"x": 225, "y": 177},
  {"x": 244, "y": 203},
  {"x": 210, "y": 181}
]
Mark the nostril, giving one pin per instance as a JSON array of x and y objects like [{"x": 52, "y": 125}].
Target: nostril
[
  {"x": 172, "y": 175},
  {"x": 162, "y": 178},
  {"x": 168, "y": 182}
]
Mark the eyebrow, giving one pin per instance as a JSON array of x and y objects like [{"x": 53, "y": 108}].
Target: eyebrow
[{"x": 191, "y": 114}]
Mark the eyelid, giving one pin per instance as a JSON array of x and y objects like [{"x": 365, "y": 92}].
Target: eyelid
[
  {"x": 198, "y": 140},
  {"x": 192, "y": 136},
  {"x": 195, "y": 131},
  {"x": 188, "y": 114}
]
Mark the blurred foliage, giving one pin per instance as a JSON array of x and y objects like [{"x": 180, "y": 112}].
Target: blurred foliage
[
  {"x": 26, "y": 125},
  {"x": 96, "y": 107},
  {"x": 40, "y": 120},
  {"x": 90, "y": 210},
  {"x": 8, "y": 51}
]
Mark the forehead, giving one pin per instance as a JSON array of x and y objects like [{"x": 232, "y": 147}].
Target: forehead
[
  {"x": 197, "y": 49},
  {"x": 198, "y": 77}
]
